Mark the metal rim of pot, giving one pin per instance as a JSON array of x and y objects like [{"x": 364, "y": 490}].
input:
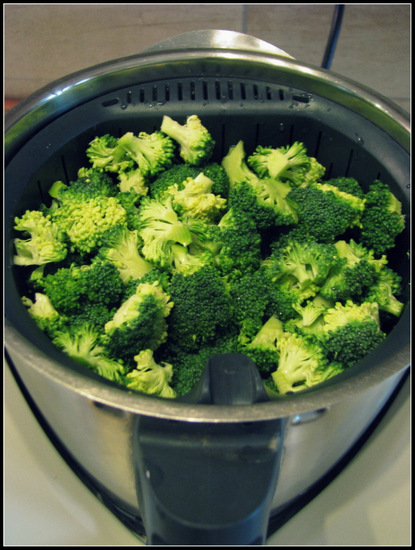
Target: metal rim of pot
[{"x": 24, "y": 120}]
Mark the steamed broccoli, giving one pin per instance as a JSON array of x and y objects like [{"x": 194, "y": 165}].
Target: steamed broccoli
[
  {"x": 263, "y": 347},
  {"x": 194, "y": 198},
  {"x": 263, "y": 199},
  {"x": 281, "y": 163},
  {"x": 240, "y": 244},
  {"x": 46, "y": 242},
  {"x": 354, "y": 274},
  {"x": 301, "y": 364},
  {"x": 133, "y": 181},
  {"x": 351, "y": 331},
  {"x": 149, "y": 262},
  {"x": 160, "y": 228},
  {"x": 382, "y": 220},
  {"x": 83, "y": 344},
  {"x": 105, "y": 153},
  {"x": 324, "y": 211},
  {"x": 152, "y": 153},
  {"x": 308, "y": 262},
  {"x": 150, "y": 377},
  {"x": 202, "y": 308},
  {"x": 385, "y": 291},
  {"x": 44, "y": 314},
  {"x": 139, "y": 323},
  {"x": 193, "y": 138},
  {"x": 121, "y": 248},
  {"x": 70, "y": 288},
  {"x": 251, "y": 296}
]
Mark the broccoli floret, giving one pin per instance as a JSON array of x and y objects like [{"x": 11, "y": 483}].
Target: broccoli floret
[
  {"x": 240, "y": 244},
  {"x": 44, "y": 314},
  {"x": 251, "y": 298},
  {"x": 105, "y": 153},
  {"x": 351, "y": 331},
  {"x": 383, "y": 220},
  {"x": 66, "y": 288},
  {"x": 263, "y": 199},
  {"x": 160, "y": 228},
  {"x": 46, "y": 242},
  {"x": 202, "y": 308},
  {"x": 194, "y": 198},
  {"x": 188, "y": 365},
  {"x": 151, "y": 377},
  {"x": 139, "y": 323},
  {"x": 215, "y": 172},
  {"x": 301, "y": 364},
  {"x": 307, "y": 261},
  {"x": 70, "y": 288},
  {"x": 121, "y": 249},
  {"x": 176, "y": 175},
  {"x": 324, "y": 211},
  {"x": 152, "y": 153},
  {"x": 347, "y": 185},
  {"x": 85, "y": 221},
  {"x": 357, "y": 272},
  {"x": 310, "y": 319},
  {"x": 133, "y": 181},
  {"x": 286, "y": 163},
  {"x": 82, "y": 343},
  {"x": 287, "y": 295},
  {"x": 263, "y": 347},
  {"x": 385, "y": 291},
  {"x": 195, "y": 142},
  {"x": 92, "y": 182}
]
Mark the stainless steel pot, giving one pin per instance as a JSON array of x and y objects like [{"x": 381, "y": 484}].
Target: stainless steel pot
[{"x": 180, "y": 465}]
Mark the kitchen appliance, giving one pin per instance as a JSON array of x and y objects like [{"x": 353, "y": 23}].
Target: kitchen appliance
[{"x": 223, "y": 467}]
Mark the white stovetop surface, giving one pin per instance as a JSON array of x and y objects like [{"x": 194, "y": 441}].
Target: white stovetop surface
[{"x": 46, "y": 504}]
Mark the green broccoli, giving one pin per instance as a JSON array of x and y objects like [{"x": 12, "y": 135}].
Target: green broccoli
[
  {"x": 46, "y": 242},
  {"x": 347, "y": 185},
  {"x": 121, "y": 247},
  {"x": 202, "y": 308},
  {"x": 263, "y": 199},
  {"x": 83, "y": 344},
  {"x": 280, "y": 163},
  {"x": 194, "y": 198},
  {"x": 195, "y": 142},
  {"x": 351, "y": 331},
  {"x": 44, "y": 314},
  {"x": 308, "y": 262},
  {"x": 310, "y": 317},
  {"x": 133, "y": 181},
  {"x": 71, "y": 288},
  {"x": 139, "y": 323},
  {"x": 301, "y": 364},
  {"x": 105, "y": 154},
  {"x": 150, "y": 377},
  {"x": 175, "y": 175},
  {"x": 160, "y": 228},
  {"x": 240, "y": 244},
  {"x": 251, "y": 299},
  {"x": 152, "y": 153},
  {"x": 324, "y": 211},
  {"x": 357, "y": 272},
  {"x": 188, "y": 365},
  {"x": 385, "y": 291},
  {"x": 262, "y": 349},
  {"x": 382, "y": 220}
]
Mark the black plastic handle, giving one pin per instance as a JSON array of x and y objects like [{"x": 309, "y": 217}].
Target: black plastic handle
[{"x": 209, "y": 483}]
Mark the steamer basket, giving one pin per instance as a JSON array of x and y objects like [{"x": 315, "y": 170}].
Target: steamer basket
[{"x": 243, "y": 90}]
